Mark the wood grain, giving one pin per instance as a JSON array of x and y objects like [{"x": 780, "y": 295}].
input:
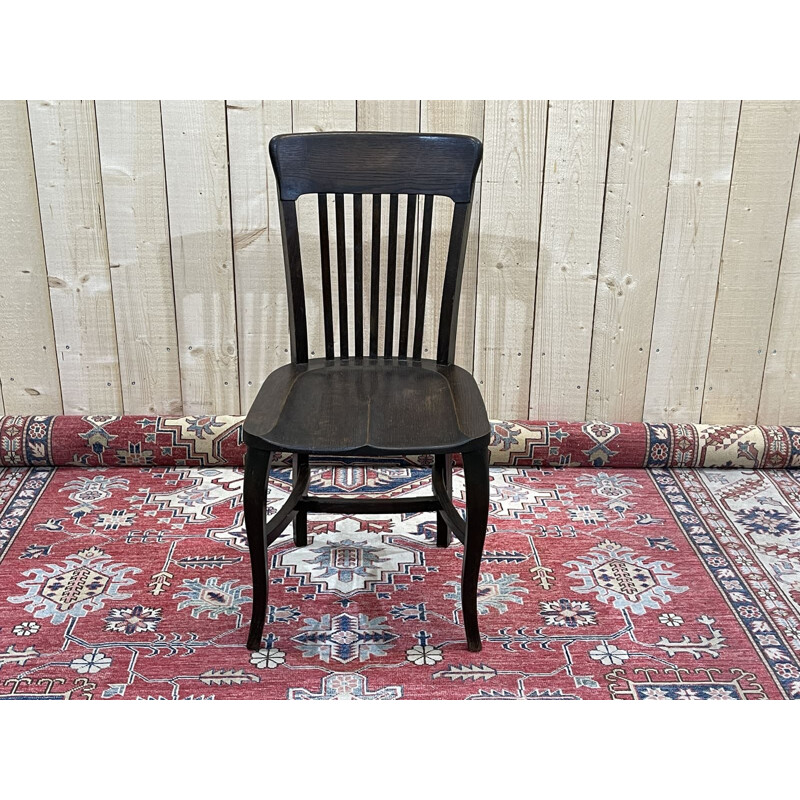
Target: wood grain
[
  {"x": 766, "y": 150},
  {"x": 578, "y": 285},
  {"x": 261, "y": 302},
  {"x": 388, "y": 115},
  {"x": 453, "y": 116},
  {"x": 64, "y": 137},
  {"x": 134, "y": 190},
  {"x": 514, "y": 143},
  {"x": 780, "y": 388},
  {"x": 572, "y": 209},
  {"x": 195, "y": 156},
  {"x": 697, "y": 202},
  {"x": 320, "y": 115},
  {"x": 633, "y": 224},
  {"x": 28, "y": 366}
]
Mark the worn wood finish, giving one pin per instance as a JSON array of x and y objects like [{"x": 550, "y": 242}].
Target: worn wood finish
[
  {"x": 697, "y": 202},
  {"x": 409, "y": 164},
  {"x": 377, "y": 406},
  {"x": 766, "y": 151},
  {"x": 352, "y": 407},
  {"x": 507, "y": 211},
  {"x": 422, "y": 276},
  {"x": 509, "y": 252},
  {"x": 261, "y": 303},
  {"x": 134, "y": 193},
  {"x": 64, "y": 137},
  {"x": 28, "y": 367},
  {"x": 314, "y": 163},
  {"x": 569, "y": 244},
  {"x": 780, "y": 388},
  {"x": 195, "y": 155},
  {"x": 630, "y": 250}
]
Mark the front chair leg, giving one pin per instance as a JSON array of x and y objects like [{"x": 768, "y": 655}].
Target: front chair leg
[
  {"x": 443, "y": 464},
  {"x": 300, "y": 521},
  {"x": 476, "y": 478},
  {"x": 256, "y": 478}
]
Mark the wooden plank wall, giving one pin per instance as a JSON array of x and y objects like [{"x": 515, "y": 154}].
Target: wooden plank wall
[{"x": 628, "y": 260}]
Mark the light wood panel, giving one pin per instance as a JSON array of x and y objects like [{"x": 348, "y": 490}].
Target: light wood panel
[
  {"x": 454, "y": 116},
  {"x": 699, "y": 185},
  {"x": 28, "y": 368},
  {"x": 134, "y": 191},
  {"x": 64, "y": 136},
  {"x": 195, "y": 156},
  {"x": 607, "y": 242},
  {"x": 633, "y": 225},
  {"x": 388, "y": 115},
  {"x": 572, "y": 210},
  {"x": 766, "y": 151},
  {"x": 514, "y": 142},
  {"x": 780, "y": 388},
  {"x": 308, "y": 116},
  {"x": 261, "y": 303}
]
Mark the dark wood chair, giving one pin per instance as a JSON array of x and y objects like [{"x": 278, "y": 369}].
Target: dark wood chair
[{"x": 371, "y": 399}]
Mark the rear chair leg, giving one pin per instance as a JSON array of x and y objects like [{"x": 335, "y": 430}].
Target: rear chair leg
[
  {"x": 256, "y": 478},
  {"x": 476, "y": 478},
  {"x": 300, "y": 521},
  {"x": 444, "y": 465}
]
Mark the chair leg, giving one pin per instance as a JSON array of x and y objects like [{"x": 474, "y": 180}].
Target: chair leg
[
  {"x": 444, "y": 465},
  {"x": 476, "y": 478},
  {"x": 300, "y": 521},
  {"x": 256, "y": 479}
]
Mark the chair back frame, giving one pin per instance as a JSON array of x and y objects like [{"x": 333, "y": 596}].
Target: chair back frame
[{"x": 394, "y": 164}]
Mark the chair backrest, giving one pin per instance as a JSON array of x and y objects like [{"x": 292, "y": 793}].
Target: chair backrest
[{"x": 420, "y": 166}]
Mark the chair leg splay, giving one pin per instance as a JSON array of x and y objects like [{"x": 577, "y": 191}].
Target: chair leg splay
[
  {"x": 256, "y": 477},
  {"x": 260, "y": 533},
  {"x": 476, "y": 478}
]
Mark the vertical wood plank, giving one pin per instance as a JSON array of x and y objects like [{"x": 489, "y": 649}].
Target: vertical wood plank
[
  {"x": 780, "y": 388},
  {"x": 388, "y": 115},
  {"x": 64, "y": 136},
  {"x": 307, "y": 116},
  {"x": 195, "y": 156},
  {"x": 763, "y": 167},
  {"x": 694, "y": 227},
  {"x": 630, "y": 250},
  {"x": 514, "y": 142},
  {"x": 28, "y": 366},
  {"x": 572, "y": 209},
  {"x": 261, "y": 302},
  {"x": 134, "y": 190},
  {"x": 453, "y": 116}
]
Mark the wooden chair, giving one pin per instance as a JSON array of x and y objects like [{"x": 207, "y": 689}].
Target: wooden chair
[{"x": 371, "y": 399}]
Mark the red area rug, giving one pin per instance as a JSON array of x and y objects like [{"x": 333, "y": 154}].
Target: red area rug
[{"x": 133, "y": 582}]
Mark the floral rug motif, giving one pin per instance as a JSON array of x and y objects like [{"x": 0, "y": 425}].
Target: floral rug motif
[
  {"x": 215, "y": 441},
  {"x": 597, "y": 583}
]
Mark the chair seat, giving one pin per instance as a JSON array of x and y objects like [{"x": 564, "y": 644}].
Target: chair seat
[{"x": 368, "y": 407}]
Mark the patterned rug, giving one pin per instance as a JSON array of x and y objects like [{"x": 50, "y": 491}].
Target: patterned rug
[{"x": 597, "y": 583}]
